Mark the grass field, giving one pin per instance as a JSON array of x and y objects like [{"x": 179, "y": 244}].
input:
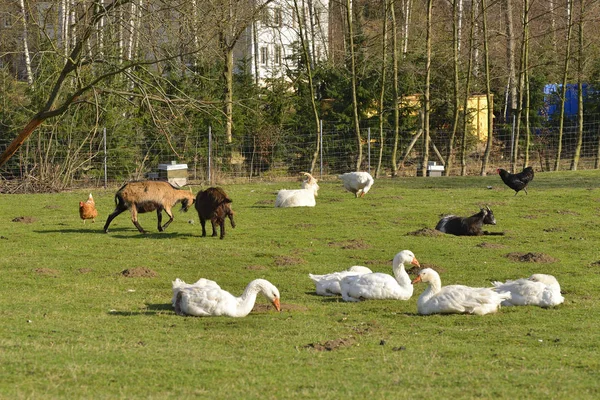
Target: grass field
[{"x": 74, "y": 325}]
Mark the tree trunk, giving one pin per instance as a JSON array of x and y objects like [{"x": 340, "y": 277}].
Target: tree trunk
[
  {"x": 228, "y": 93},
  {"x": 456, "y": 100},
  {"x": 308, "y": 62},
  {"x": 427, "y": 102},
  {"x": 511, "y": 85},
  {"x": 463, "y": 147},
  {"x": 395, "y": 89},
  {"x": 524, "y": 45},
  {"x": 488, "y": 91},
  {"x": 354, "y": 84},
  {"x": 580, "y": 67},
  {"x": 406, "y": 23},
  {"x": 26, "y": 44},
  {"x": 384, "y": 48},
  {"x": 563, "y": 90}
]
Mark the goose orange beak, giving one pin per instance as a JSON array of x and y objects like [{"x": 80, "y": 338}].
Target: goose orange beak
[
  {"x": 277, "y": 304},
  {"x": 415, "y": 262},
  {"x": 417, "y": 279}
]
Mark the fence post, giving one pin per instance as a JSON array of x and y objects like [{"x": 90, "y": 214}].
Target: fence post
[
  {"x": 369, "y": 149},
  {"x": 209, "y": 152},
  {"x": 105, "y": 159},
  {"x": 512, "y": 146},
  {"x": 321, "y": 148}
]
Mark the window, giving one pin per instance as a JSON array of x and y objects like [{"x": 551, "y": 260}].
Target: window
[
  {"x": 277, "y": 55},
  {"x": 277, "y": 17},
  {"x": 265, "y": 16},
  {"x": 264, "y": 55}
]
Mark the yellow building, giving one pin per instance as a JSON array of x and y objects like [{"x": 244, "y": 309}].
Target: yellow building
[{"x": 477, "y": 106}]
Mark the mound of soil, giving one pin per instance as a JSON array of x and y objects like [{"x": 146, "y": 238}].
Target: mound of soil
[
  {"x": 531, "y": 257},
  {"x": 554, "y": 229},
  {"x": 46, "y": 271},
  {"x": 355, "y": 244},
  {"x": 330, "y": 345},
  {"x": 285, "y": 261},
  {"x": 595, "y": 264},
  {"x": 85, "y": 270},
  {"x": 425, "y": 232},
  {"x": 24, "y": 220},
  {"x": 138, "y": 272}
]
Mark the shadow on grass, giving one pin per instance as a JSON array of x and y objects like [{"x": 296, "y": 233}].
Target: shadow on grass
[
  {"x": 151, "y": 309},
  {"x": 111, "y": 233}
]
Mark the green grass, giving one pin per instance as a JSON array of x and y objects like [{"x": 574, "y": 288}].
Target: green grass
[{"x": 72, "y": 326}]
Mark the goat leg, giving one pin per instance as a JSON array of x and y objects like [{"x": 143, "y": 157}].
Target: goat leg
[
  {"x": 170, "y": 214},
  {"x": 203, "y": 223},
  {"x": 214, "y": 227}
]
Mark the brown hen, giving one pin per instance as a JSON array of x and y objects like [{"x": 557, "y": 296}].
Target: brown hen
[{"x": 87, "y": 209}]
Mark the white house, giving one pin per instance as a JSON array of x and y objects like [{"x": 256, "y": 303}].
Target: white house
[{"x": 270, "y": 43}]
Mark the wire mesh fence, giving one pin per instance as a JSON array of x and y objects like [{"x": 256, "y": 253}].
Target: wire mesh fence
[{"x": 103, "y": 159}]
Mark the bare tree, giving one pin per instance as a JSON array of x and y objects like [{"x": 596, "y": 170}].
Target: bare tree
[
  {"x": 456, "y": 23},
  {"x": 488, "y": 90},
  {"x": 563, "y": 89},
  {"x": 463, "y": 147},
  {"x": 395, "y": 91},
  {"x": 354, "y": 84},
  {"x": 426, "y": 100},
  {"x": 511, "y": 84},
  {"x": 26, "y": 43},
  {"x": 580, "y": 71},
  {"x": 384, "y": 49},
  {"x": 308, "y": 60}
]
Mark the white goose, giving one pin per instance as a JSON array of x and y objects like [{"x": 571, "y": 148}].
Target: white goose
[
  {"x": 210, "y": 300},
  {"x": 178, "y": 285},
  {"x": 455, "y": 299},
  {"x": 329, "y": 284},
  {"x": 538, "y": 290},
  {"x": 378, "y": 285}
]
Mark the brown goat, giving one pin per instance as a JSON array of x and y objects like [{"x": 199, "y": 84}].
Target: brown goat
[
  {"x": 145, "y": 196},
  {"x": 213, "y": 204}
]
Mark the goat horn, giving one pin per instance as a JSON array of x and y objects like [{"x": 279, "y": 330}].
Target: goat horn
[
  {"x": 310, "y": 177},
  {"x": 488, "y": 208}
]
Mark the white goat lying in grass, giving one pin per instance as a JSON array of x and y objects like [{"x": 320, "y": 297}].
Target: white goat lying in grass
[{"x": 304, "y": 197}]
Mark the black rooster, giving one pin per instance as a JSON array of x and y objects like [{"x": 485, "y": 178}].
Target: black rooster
[{"x": 518, "y": 181}]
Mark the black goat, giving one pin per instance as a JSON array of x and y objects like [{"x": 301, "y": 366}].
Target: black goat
[
  {"x": 213, "y": 204},
  {"x": 470, "y": 226}
]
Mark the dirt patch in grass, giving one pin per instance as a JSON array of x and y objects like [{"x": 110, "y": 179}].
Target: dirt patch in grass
[
  {"x": 46, "y": 271},
  {"x": 24, "y": 220},
  {"x": 286, "y": 261},
  {"x": 263, "y": 202},
  {"x": 331, "y": 345},
  {"x": 425, "y": 232},
  {"x": 354, "y": 244},
  {"x": 264, "y": 308},
  {"x": 304, "y": 226},
  {"x": 486, "y": 245},
  {"x": 567, "y": 212},
  {"x": 531, "y": 257},
  {"x": 595, "y": 264},
  {"x": 139, "y": 272},
  {"x": 256, "y": 268},
  {"x": 554, "y": 229},
  {"x": 52, "y": 207},
  {"x": 85, "y": 270}
]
